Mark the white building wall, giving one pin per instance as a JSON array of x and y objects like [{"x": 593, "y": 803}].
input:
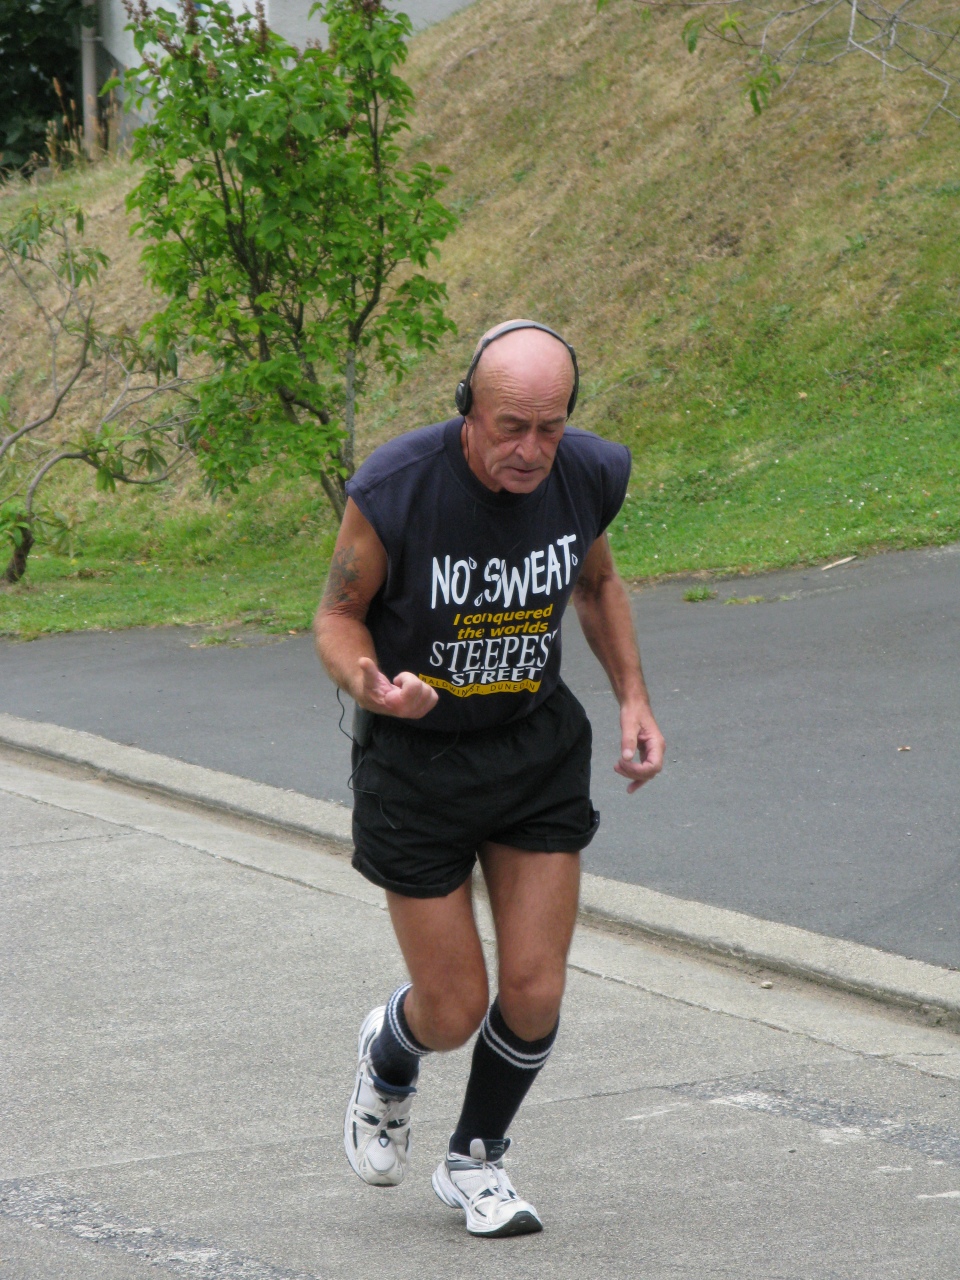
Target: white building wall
[
  {"x": 115, "y": 42},
  {"x": 424, "y": 13},
  {"x": 287, "y": 17}
]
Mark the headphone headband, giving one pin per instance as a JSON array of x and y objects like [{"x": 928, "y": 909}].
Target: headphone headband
[{"x": 463, "y": 397}]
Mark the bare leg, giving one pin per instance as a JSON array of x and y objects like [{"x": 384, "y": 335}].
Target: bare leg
[
  {"x": 443, "y": 953},
  {"x": 534, "y": 899},
  {"x": 445, "y": 1004}
]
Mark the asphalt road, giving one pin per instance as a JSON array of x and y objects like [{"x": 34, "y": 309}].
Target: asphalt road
[
  {"x": 785, "y": 795},
  {"x": 179, "y": 1041}
]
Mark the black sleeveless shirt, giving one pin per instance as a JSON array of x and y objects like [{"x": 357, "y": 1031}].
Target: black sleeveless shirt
[{"x": 477, "y": 581}]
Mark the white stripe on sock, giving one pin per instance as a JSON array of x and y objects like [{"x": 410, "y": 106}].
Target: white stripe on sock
[
  {"x": 395, "y": 1026},
  {"x": 526, "y": 1061}
]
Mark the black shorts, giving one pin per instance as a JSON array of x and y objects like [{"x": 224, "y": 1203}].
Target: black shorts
[{"x": 425, "y": 801}]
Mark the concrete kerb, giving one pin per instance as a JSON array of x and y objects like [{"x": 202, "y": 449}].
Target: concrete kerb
[
  {"x": 611, "y": 904},
  {"x": 767, "y": 944},
  {"x": 193, "y": 783}
]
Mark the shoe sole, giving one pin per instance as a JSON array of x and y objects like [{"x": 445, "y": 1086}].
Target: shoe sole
[{"x": 523, "y": 1223}]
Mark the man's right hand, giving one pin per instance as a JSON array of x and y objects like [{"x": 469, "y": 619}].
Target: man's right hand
[{"x": 406, "y": 697}]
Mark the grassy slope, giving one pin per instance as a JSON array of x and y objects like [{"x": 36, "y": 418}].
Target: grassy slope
[
  {"x": 765, "y": 312},
  {"x": 766, "y": 309}
]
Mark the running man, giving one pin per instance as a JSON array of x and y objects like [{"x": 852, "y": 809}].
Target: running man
[{"x": 460, "y": 547}]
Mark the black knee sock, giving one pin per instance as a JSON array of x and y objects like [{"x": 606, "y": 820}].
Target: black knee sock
[
  {"x": 395, "y": 1054},
  {"x": 504, "y": 1067}
]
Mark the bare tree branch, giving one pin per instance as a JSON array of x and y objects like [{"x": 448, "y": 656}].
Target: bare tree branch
[
  {"x": 114, "y": 435},
  {"x": 918, "y": 37}
]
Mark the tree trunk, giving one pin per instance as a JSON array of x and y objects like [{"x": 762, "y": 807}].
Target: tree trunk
[
  {"x": 88, "y": 64},
  {"x": 333, "y": 488},
  {"x": 18, "y": 561},
  {"x": 349, "y": 415}
]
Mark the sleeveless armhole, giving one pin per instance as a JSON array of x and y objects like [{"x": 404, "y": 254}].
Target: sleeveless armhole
[
  {"x": 370, "y": 513},
  {"x": 615, "y": 473}
]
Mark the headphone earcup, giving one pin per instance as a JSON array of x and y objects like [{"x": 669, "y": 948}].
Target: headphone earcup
[
  {"x": 462, "y": 397},
  {"x": 572, "y": 402}
]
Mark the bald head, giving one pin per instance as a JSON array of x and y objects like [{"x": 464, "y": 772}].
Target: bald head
[
  {"x": 521, "y": 387},
  {"x": 526, "y": 365}
]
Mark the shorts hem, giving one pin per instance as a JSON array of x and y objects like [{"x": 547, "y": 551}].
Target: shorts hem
[
  {"x": 543, "y": 846},
  {"x": 565, "y": 844},
  {"x": 370, "y": 872}
]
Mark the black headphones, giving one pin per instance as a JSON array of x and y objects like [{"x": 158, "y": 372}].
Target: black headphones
[{"x": 463, "y": 397}]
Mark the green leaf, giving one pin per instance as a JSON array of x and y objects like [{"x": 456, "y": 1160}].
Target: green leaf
[
  {"x": 761, "y": 84},
  {"x": 691, "y": 33},
  {"x": 14, "y": 523},
  {"x": 730, "y": 24}
]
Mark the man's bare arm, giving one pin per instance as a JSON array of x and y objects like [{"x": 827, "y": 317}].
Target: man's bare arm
[
  {"x": 603, "y": 607},
  {"x": 357, "y": 572}
]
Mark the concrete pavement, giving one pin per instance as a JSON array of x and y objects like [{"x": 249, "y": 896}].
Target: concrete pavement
[
  {"x": 613, "y": 904},
  {"x": 181, "y": 1001},
  {"x": 785, "y": 794}
]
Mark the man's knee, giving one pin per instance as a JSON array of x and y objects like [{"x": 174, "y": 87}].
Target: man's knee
[
  {"x": 447, "y": 1017},
  {"x": 530, "y": 1000}
]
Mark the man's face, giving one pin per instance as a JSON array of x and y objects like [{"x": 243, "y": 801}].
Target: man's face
[{"x": 519, "y": 411}]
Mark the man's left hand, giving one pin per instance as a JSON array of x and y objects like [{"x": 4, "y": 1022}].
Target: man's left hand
[{"x": 639, "y": 733}]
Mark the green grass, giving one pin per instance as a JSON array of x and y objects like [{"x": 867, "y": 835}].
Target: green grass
[
  {"x": 258, "y": 561},
  {"x": 762, "y": 483}
]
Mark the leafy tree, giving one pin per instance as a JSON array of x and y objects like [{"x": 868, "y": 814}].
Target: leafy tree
[
  {"x": 283, "y": 226},
  {"x": 109, "y": 403},
  {"x": 920, "y": 38},
  {"x": 39, "y": 72}
]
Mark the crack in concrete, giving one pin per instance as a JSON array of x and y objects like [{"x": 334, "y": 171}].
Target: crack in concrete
[
  {"x": 94, "y": 1224},
  {"x": 852, "y": 1120},
  {"x": 43, "y": 844}
]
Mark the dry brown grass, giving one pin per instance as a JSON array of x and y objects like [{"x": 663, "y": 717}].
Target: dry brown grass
[
  {"x": 123, "y": 298},
  {"x": 601, "y": 169}
]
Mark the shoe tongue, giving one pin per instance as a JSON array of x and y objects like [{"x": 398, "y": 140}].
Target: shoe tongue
[
  {"x": 391, "y": 1091},
  {"x": 490, "y": 1150},
  {"x": 373, "y": 1093}
]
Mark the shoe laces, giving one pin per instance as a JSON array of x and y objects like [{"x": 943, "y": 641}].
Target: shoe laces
[
  {"x": 495, "y": 1183},
  {"x": 394, "y": 1109}
]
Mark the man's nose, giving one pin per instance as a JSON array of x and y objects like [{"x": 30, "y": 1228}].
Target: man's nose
[{"x": 529, "y": 446}]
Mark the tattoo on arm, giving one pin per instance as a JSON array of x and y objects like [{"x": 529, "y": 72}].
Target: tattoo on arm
[{"x": 344, "y": 573}]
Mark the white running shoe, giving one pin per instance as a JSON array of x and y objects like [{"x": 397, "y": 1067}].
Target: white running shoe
[
  {"x": 478, "y": 1185},
  {"x": 376, "y": 1128}
]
